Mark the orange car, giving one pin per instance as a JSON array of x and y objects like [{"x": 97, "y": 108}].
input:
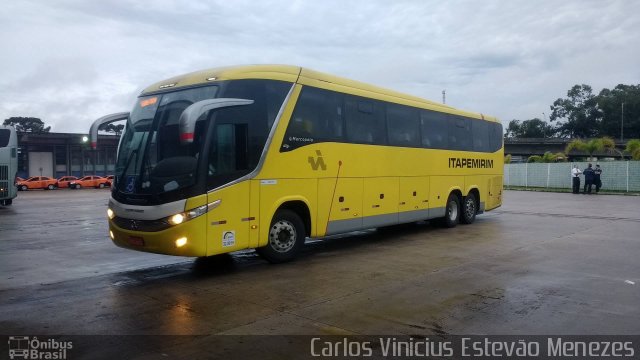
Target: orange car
[
  {"x": 89, "y": 181},
  {"x": 37, "y": 182},
  {"x": 110, "y": 178},
  {"x": 64, "y": 181}
]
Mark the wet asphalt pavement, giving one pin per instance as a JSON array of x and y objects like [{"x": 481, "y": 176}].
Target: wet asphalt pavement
[{"x": 544, "y": 263}]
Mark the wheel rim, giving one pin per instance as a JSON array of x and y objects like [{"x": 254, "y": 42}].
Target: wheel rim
[
  {"x": 470, "y": 208},
  {"x": 282, "y": 236},
  {"x": 453, "y": 210}
]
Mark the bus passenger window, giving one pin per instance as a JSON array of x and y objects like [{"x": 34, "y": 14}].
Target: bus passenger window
[
  {"x": 402, "y": 125},
  {"x": 495, "y": 136},
  {"x": 460, "y": 137},
  {"x": 480, "y": 130},
  {"x": 435, "y": 130},
  {"x": 365, "y": 121},
  {"x": 317, "y": 118}
]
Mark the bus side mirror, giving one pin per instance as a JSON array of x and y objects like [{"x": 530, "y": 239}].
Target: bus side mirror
[
  {"x": 93, "y": 131},
  {"x": 191, "y": 114}
]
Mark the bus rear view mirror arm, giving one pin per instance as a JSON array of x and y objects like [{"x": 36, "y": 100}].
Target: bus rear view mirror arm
[
  {"x": 191, "y": 114},
  {"x": 93, "y": 132}
]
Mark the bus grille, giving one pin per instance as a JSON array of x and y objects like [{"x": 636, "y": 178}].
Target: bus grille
[
  {"x": 4, "y": 181},
  {"x": 141, "y": 225}
]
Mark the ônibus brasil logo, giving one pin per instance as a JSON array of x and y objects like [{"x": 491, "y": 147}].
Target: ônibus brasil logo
[{"x": 25, "y": 347}]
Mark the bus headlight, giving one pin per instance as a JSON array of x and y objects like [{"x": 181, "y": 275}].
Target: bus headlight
[
  {"x": 110, "y": 213},
  {"x": 176, "y": 219},
  {"x": 188, "y": 215}
]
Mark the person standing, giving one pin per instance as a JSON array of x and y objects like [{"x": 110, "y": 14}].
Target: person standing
[
  {"x": 575, "y": 177},
  {"x": 589, "y": 175},
  {"x": 596, "y": 177}
]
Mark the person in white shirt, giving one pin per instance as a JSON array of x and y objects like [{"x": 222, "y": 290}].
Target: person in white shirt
[{"x": 575, "y": 177}]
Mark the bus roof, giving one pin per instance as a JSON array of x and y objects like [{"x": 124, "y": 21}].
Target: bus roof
[{"x": 295, "y": 74}]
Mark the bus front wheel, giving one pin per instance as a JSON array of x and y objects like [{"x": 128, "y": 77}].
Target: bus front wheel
[
  {"x": 452, "y": 211},
  {"x": 469, "y": 209},
  {"x": 286, "y": 237}
]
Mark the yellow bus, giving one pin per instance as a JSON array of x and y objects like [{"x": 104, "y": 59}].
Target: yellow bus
[{"x": 264, "y": 156}]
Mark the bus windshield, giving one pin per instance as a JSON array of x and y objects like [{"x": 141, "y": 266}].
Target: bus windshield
[
  {"x": 153, "y": 163},
  {"x": 150, "y": 150}
]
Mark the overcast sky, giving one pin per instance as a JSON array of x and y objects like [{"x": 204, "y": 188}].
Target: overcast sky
[{"x": 70, "y": 62}]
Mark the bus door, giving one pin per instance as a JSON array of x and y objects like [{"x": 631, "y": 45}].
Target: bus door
[{"x": 228, "y": 223}]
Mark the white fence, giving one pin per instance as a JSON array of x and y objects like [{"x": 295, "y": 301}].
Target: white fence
[{"x": 616, "y": 175}]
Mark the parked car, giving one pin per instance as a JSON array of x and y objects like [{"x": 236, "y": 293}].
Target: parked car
[
  {"x": 89, "y": 181},
  {"x": 64, "y": 181},
  {"x": 18, "y": 179},
  {"x": 37, "y": 182},
  {"x": 111, "y": 179}
]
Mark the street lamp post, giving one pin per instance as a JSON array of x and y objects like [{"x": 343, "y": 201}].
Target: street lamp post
[{"x": 622, "y": 124}]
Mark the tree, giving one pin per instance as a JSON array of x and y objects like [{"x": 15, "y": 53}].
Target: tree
[
  {"x": 633, "y": 148},
  {"x": 610, "y": 104},
  {"x": 609, "y": 145},
  {"x": 547, "y": 157},
  {"x": 580, "y": 111},
  {"x": 117, "y": 129},
  {"x": 590, "y": 146},
  {"x": 27, "y": 124},
  {"x": 532, "y": 128}
]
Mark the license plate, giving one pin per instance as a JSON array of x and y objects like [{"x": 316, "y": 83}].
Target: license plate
[{"x": 135, "y": 241}]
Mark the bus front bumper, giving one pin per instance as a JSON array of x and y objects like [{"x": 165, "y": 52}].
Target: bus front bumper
[{"x": 187, "y": 239}]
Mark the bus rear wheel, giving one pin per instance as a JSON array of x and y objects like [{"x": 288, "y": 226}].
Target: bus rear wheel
[
  {"x": 469, "y": 209},
  {"x": 286, "y": 237},
  {"x": 452, "y": 211}
]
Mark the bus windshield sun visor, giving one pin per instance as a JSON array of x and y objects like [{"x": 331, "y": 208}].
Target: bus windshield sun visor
[
  {"x": 191, "y": 114},
  {"x": 93, "y": 132}
]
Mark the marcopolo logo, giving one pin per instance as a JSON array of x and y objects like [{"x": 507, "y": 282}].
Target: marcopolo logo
[{"x": 25, "y": 347}]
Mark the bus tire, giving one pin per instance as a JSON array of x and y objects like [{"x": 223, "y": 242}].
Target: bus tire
[
  {"x": 469, "y": 209},
  {"x": 452, "y": 211},
  {"x": 286, "y": 237}
]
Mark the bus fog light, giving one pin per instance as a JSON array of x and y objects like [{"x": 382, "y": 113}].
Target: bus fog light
[
  {"x": 110, "y": 213},
  {"x": 181, "y": 242},
  {"x": 111, "y": 235},
  {"x": 176, "y": 219}
]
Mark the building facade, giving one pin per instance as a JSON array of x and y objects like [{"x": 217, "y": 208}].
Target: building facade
[{"x": 59, "y": 154}]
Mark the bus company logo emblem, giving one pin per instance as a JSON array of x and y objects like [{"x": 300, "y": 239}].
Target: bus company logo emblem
[{"x": 317, "y": 162}]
